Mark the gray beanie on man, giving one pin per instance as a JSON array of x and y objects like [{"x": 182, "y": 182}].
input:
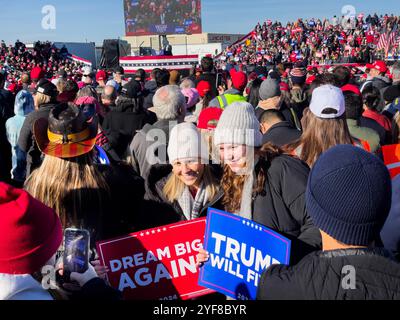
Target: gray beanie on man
[
  {"x": 238, "y": 125},
  {"x": 269, "y": 88}
]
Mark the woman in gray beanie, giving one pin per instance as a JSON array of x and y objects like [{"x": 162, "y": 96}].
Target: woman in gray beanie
[
  {"x": 261, "y": 183},
  {"x": 186, "y": 188}
]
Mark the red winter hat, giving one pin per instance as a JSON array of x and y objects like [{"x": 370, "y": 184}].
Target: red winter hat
[
  {"x": 352, "y": 88},
  {"x": 203, "y": 87},
  {"x": 239, "y": 79},
  {"x": 379, "y": 65},
  {"x": 30, "y": 232},
  {"x": 101, "y": 75},
  {"x": 37, "y": 73},
  {"x": 209, "y": 117}
]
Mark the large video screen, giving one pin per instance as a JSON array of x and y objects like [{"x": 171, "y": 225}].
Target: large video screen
[{"x": 150, "y": 17}]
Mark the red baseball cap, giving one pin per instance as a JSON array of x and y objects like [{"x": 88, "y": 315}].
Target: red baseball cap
[
  {"x": 203, "y": 87},
  {"x": 352, "y": 88},
  {"x": 239, "y": 79},
  {"x": 101, "y": 75},
  {"x": 209, "y": 117},
  {"x": 378, "y": 65},
  {"x": 37, "y": 73}
]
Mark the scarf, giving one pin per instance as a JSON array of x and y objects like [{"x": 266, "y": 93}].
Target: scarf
[
  {"x": 246, "y": 205},
  {"x": 191, "y": 207},
  {"x": 247, "y": 198}
]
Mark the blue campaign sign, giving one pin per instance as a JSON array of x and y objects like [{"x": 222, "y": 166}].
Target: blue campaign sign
[
  {"x": 180, "y": 29},
  {"x": 240, "y": 250},
  {"x": 188, "y": 22}
]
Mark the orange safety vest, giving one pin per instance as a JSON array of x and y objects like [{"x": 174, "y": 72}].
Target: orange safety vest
[
  {"x": 391, "y": 157},
  {"x": 359, "y": 143}
]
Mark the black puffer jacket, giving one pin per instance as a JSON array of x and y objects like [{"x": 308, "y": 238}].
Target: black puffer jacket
[
  {"x": 26, "y": 141},
  {"x": 149, "y": 92},
  {"x": 321, "y": 275},
  {"x": 282, "y": 207},
  {"x": 123, "y": 121},
  {"x": 158, "y": 210}
]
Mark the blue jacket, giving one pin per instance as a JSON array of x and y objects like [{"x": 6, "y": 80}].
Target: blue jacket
[{"x": 23, "y": 106}]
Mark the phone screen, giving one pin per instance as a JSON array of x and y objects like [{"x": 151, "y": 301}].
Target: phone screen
[
  {"x": 76, "y": 250},
  {"x": 219, "y": 80}
]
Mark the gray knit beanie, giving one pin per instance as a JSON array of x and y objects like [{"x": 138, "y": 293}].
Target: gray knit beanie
[
  {"x": 269, "y": 88},
  {"x": 238, "y": 125}
]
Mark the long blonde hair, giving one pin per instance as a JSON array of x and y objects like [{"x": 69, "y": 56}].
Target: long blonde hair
[
  {"x": 174, "y": 187},
  {"x": 66, "y": 185}
]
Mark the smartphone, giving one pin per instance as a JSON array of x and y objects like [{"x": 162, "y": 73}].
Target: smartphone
[
  {"x": 76, "y": 250},
  {"x": 220, "y": 81}
]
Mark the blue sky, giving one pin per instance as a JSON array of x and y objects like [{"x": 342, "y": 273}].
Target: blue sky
[{"x": 95, "y": 20}]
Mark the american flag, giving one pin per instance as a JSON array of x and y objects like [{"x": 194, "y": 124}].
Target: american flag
[{"x": 387, "y": 40}]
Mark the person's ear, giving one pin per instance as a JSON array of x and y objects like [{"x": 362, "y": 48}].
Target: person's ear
[{"x": 262, "y": 128}]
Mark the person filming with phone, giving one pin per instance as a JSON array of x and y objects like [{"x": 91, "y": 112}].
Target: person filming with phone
[{"x": 30, "y": 236}]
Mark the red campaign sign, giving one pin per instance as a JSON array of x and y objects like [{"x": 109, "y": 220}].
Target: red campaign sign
[{"x": 156, "y": 264}]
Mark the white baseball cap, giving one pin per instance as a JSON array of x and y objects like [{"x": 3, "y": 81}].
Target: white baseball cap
[{"x": 327, "y": 97}]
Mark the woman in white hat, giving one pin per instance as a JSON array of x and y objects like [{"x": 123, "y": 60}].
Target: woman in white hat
[
  {"x": 186, "y": 188},
  {"x": 261, "y": 183}
]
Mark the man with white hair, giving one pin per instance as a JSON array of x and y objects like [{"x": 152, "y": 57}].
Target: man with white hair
[
  {"x": 149, "y": 146},
  {"x": 88, "y": 75}
]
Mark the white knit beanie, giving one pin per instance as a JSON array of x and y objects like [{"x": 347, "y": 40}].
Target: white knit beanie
[
  {"x": 186, "y": 142},
  {"x": 238, "y": 125}
]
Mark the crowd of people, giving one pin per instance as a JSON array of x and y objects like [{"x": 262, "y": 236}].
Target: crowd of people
[
  {"x": 142, "y": 16},
  {"x": 297, "y": 150},
  {"x": 339, "y": 40}
]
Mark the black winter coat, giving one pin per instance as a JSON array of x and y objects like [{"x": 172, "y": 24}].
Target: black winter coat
[
  {"x": 149, "y": 92},
  {"x": 6, "y": 112},
  {"x": 158, "y": 210},
  {"x": 27, "y": 143},
  {"x": 282, "y": 207},
  {"x": 122, "y": 122},
  {"x": 281, "y": 134},
  {"x": 321, "y": 275},
  {"x": 97, "y": 290}
]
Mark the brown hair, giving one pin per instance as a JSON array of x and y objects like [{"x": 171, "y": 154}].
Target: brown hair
[
  {"x": 232, "y": 183},
  {"x": 320, "y": 135}
]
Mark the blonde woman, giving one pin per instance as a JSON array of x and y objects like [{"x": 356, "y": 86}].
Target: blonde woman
[
  {"x": 83, "y": 193},
  {"x": 185, "y": 189}
]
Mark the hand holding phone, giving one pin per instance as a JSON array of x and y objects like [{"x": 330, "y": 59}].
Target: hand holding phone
[{"x": 76, "y": 250}]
